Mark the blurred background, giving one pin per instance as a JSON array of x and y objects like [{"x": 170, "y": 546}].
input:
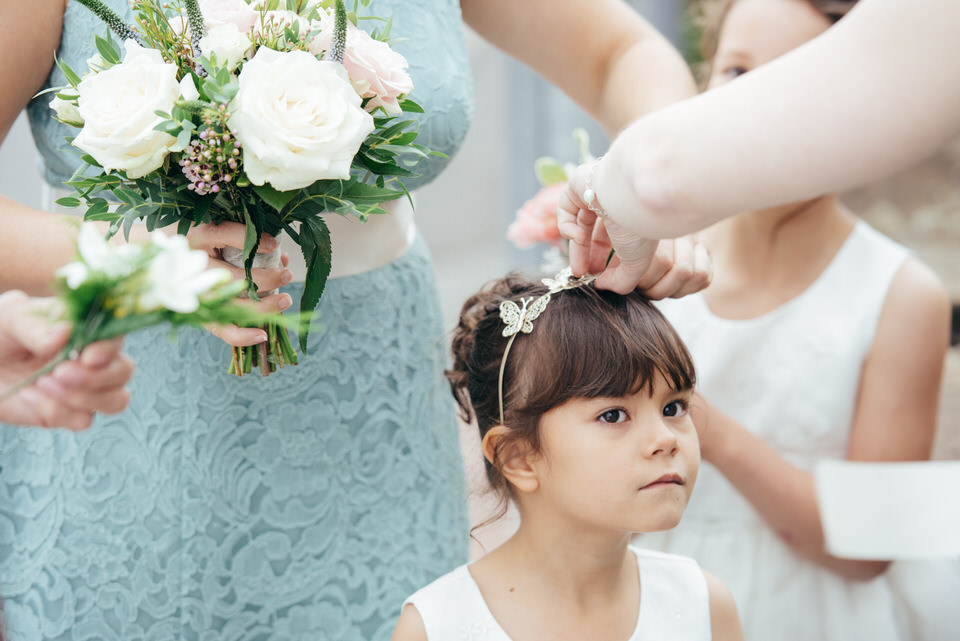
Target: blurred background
[{"x": 518, "y": 117}]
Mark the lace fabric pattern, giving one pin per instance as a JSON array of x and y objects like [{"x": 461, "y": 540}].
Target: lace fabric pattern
[{"x": 305, "y": 505}]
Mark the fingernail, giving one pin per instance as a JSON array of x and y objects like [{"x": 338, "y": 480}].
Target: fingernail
[
  {"x": 268, "y": 244},
  {"x": 262, "y": 338},
  {"x": 285, "y": 302},
  {"x": 95, "y": 358},
  {"x": 286, "y": 276}
]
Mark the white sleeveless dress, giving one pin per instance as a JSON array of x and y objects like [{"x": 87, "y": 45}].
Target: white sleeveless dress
[
  {"x": 674, "y": 603},
  {"x": 791, "y": 376}
]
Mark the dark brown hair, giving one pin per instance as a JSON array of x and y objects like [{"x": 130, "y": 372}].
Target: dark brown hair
[{"x": 587, "y": 343}]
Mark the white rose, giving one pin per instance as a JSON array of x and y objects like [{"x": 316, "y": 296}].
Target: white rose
[
  {"x": 227, "y": 43},
  {"x": 178, "y": 276},
  {"x": 297, "y": 118},
  {"x": 117, "y": 107},
  {"x": 66, "y": 111},
  {"x": 376, "y": 71},
  {"x": 235, "y": 12}
]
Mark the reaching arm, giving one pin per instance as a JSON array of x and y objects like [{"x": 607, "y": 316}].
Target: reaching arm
[
  {"x": 869, "y": 96},
  {"x": 895, "y": 420},
  {"x": 601, "y": 53}
]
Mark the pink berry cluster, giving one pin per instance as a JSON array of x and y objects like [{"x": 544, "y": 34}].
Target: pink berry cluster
[{"x": 210, "y": 160}]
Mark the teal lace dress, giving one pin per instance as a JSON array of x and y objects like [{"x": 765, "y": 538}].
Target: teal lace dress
[{"x": 306, "y": 505}]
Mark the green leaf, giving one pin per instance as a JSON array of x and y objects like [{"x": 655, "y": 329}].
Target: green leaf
[
  {"x": 549, "y": 171},
  {"x": 68, "y": 201},
  {"x": 68, "y": 73},
  {"x": 273, "y": 197},
  {"x": 410, "y": 106},
  {"x": 87, "y": 158},
  {"x": 251, "y": 240},
  {"x": 107, "y": 50},
  {"x": 317, "y": 253}
]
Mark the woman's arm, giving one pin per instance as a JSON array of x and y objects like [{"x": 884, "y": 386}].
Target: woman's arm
[
  {"x": 895, "y": 420},
  {"x": 601, "y": 53},
  {"x": 617, "y": 67},
  {"x": 876, "y": 92}
]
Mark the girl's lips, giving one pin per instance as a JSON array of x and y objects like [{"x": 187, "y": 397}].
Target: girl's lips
[{"x": 665, "y": 480}]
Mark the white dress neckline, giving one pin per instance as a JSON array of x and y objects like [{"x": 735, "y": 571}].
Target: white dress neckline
[{"x": 481, "y": 602}]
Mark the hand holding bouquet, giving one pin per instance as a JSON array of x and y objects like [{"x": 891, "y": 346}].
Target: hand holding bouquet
[
  {"x": 269, "y": 114},
  {"x": 110, "y": 291}
]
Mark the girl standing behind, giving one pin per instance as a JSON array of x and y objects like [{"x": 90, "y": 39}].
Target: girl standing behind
[
  {"x": 582, "y": 400},
  {"x": 818, "y": 338}
]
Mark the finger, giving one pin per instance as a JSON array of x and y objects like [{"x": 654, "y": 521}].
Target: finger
[
  {"x": 702, "y": 272},
  {"x": 98, "y": 354},
  {"x": 49, "y": 412},
  {"x": 33, "y": 323},
  {"x": 600, "y": 248},
  {"x": 227, "y": 234},
  {"x": 676, "y": 278},
  {"x": 238, "y": 336},
  {"x": 619, "y": 277},
  {"x": 272, "y": 304},
  {"x": 265, "y": 279},
  {"x": 245, "y": 336},
  {"x": 76, "y": 377},
  {"x": 661, "y": 262}
]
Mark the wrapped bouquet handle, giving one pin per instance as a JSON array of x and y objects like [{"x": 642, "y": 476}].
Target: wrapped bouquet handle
[{"x": 277, "y": 351}]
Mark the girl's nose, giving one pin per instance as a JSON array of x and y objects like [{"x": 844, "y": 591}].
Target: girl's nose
[{"x": 661, "y": 440}]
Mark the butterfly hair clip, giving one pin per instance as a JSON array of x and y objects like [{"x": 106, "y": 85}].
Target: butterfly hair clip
[
  {"x": 519, "y": 319},
  {"x": 566, "y": 280}
]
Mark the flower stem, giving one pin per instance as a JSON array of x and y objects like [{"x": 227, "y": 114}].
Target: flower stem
[{"x": 62, "y": 356}]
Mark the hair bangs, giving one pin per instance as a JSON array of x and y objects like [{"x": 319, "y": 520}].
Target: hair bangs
[{"x": 591, "y": 343}]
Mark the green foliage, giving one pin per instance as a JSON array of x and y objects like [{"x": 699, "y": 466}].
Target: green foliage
[
  {"x": 111, "y": 19},
  {"x": 167, "y": 197}
]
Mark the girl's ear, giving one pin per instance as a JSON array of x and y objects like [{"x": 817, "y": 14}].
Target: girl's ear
[{"x": 512, "y": 457}]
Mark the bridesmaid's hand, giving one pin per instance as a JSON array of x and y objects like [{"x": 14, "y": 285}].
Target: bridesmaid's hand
[
  {"x": 75, "y": 390},
  {"x": 668, "y": 268},
  {"x": 212, "y": 238}
]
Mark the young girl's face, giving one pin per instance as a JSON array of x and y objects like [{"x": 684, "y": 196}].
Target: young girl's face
[
  {"x": 757, "y": 31},
  {"x": 624, "y": 464}
]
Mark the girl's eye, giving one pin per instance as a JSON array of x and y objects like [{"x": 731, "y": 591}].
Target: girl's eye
[
  {"x": 732, "y": 72},
  {"x": 675, "y": 409},
  {"x": 613, "y": 416}
]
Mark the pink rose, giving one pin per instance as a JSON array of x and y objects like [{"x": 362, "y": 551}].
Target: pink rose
[
  {"x": 376, "y": 71},
  {"x": 536, "y": 221},
  {"x": 236, "y": 12}
]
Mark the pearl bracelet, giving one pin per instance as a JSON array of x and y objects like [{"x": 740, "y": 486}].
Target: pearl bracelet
[{"x": 590, "y": 195}]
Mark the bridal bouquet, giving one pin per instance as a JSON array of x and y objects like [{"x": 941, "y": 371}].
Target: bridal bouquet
[
  {"x": 112, "y": 290},
  {"x": 536, "y": 220},
  {"x": 269, "y": 113}
]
